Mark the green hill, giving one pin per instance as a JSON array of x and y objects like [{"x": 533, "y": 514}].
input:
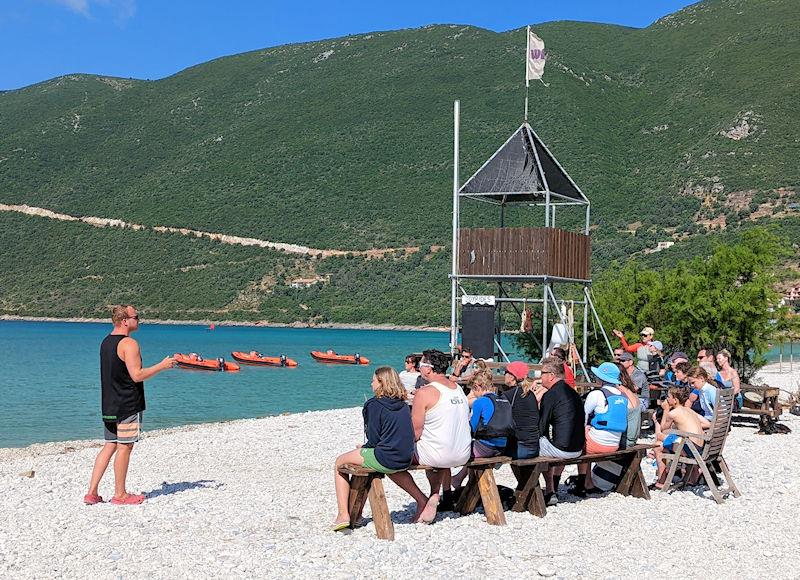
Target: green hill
[{"x": 672, "y": 131}]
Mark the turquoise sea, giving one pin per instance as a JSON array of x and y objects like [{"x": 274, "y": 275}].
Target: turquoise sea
[{"x": 50, "y": 377}]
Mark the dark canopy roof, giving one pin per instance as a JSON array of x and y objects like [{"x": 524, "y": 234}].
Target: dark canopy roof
[{"x": 522, "y": 171}]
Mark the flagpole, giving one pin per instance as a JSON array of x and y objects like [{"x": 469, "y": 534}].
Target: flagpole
[{"x": 527, "y": 56}]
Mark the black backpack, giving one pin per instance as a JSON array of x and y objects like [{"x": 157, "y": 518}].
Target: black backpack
[{"x": 501, "y": 424}]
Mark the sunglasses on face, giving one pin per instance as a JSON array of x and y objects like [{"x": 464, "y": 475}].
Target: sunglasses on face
[{"x": 132, "y": 317}]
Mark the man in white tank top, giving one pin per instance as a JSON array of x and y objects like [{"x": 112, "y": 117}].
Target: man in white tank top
[{"x": 440, "y": 414}]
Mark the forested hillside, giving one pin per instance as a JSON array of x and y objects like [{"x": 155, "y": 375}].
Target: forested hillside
[{"x": 676, "y": 132}]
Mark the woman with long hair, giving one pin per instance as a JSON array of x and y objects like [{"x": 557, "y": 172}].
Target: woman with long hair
[
  {"x": 728, "y": 375},
  {"x": 390, "y": 439}
]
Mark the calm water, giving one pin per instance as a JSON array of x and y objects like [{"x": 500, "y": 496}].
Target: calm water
[{"x": 50, "y": 381}]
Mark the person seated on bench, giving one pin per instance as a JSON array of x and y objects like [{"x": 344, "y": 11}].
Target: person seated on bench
[
  {"x": 490, "y": 422},
  {"x": 706, "y": 392},
  {"x": 524, "y": 411},
  {"x": 638, "y": 378},
  {"x": 607, "y": 474},
  {"x": 676, "y": 416},
  {"x": 440, "y": 415},
  {"x": 560, "y": 423},
  {"x": 390, "y": 438},
  {"x": 606, "y": 416}
]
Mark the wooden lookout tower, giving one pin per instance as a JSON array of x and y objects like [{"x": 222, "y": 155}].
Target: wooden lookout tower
[{"x": 523, "y": 173}]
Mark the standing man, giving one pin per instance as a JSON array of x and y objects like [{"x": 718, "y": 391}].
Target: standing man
[{"x": 122, "y": 386}]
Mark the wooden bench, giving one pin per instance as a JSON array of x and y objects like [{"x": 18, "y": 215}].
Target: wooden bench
[
  {"x": 366, "y": 484},
  {"x": 531, "y": 498}
]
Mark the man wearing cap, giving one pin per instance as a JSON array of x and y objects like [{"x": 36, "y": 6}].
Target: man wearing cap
[
  {"x": 642, "y": 348},
  {"x": 639, "y": 379},
  {"x": 561, "y": 422},
  {"x": 606, "y": 416}
]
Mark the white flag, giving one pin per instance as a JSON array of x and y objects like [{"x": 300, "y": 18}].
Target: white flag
[{"x": 535, "y": 57}]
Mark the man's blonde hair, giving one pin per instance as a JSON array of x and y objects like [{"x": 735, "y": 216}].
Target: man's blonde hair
[
  {"x": 119, "y": 313},
  {"x": 390, "y": 384}
]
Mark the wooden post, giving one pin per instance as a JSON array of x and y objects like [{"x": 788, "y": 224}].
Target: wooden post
[
  {"x": 359, "y": 486},
  {"x": 531, "y": 496},
  {"x": 536, "y": 505},
  {"x": 380, "y": 510},
  {"x": 632, "y": 482},
  {"x": 492, "y": 506},
  {"x": 470, "y": 496}
]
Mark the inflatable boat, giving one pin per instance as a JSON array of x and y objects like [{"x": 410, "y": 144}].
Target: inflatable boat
[
  {"x": 345, "y": 359},
  {"x": 197, "y": 362},
  {"x": 258, "y": 359}
]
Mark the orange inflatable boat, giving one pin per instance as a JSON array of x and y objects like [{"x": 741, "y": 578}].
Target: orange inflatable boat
[
  {"x": 258, "y": 359},
  {"x": 197, "y": 362},
  {"x": 346, "y": 359}
]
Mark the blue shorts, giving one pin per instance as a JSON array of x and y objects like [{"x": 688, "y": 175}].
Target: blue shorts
[{"x": 668, "y": 442}]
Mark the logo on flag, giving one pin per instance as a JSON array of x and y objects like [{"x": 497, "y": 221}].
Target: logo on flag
[{"x": 535, "y": 57}]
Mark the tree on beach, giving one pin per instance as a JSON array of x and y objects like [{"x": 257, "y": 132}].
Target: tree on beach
[{"x": 727, "y": 299}]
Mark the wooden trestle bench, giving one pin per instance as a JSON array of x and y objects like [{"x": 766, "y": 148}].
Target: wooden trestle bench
[{"x": 366, "y": 484}]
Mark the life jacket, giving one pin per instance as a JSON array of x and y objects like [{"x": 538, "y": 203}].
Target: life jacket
[
  {"x": 501, "y": 424},
  {"x": 615, "y": 417}
]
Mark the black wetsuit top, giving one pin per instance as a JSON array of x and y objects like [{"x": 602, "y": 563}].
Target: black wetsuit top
[
  {"x": 121, "y": 395},
  {"x": 562, "y": 409},
  {"x": 525, "y": 411}
]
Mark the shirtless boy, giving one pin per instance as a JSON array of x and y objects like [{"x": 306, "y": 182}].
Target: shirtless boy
[{"x": 676, "y": 416}]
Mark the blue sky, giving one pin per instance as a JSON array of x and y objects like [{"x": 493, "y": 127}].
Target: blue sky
[{"x": 151, "y": 39}]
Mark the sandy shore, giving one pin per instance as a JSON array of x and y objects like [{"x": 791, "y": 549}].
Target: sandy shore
[
  {"x": 264, "y": 323},
  {"x": 254, "y": 498}
]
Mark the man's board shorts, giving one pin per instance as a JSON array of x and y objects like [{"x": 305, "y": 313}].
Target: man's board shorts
[
  {"x": 547, "y": 449},
  {"x": 669, "y": 443},
  {"x": 126, "y": 431},
  {"x": 368, "y": 454}
]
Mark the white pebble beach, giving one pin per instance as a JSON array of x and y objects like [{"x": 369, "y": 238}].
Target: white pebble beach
[{"x": 254, "y": 498}]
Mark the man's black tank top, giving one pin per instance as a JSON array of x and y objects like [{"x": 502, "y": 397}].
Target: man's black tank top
[{"x": 121, "y": 396}]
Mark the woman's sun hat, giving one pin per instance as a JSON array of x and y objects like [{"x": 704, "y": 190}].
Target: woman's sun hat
[{"x": 607, "y": 372}]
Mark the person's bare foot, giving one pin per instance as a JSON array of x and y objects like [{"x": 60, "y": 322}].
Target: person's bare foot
[
  {"x": 429, "y": 513},
  {"x": 420, "y": 509},
  {"x": 340, "y": 523}
]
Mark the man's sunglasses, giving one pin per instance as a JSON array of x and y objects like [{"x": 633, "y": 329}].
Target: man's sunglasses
[{"x": 134, "y": 317}]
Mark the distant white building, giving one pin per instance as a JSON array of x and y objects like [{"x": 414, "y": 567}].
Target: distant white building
[
  {"x": 663, "y": 246},
  {"x": 306, "y": 282}
]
